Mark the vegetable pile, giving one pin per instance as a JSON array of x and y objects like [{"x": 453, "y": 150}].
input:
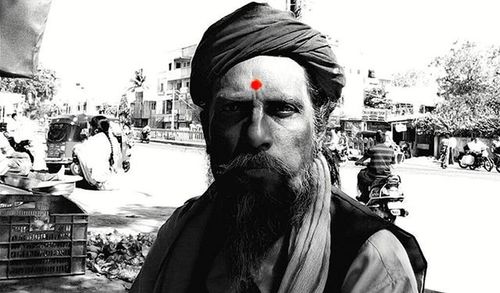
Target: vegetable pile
[{"x": 116, "y": 255}]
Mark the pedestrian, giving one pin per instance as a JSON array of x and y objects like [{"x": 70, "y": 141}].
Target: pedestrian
[{"x": 272, "y": 221}]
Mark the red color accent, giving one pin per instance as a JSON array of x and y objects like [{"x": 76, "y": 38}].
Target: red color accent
[{"x": 256, "y": 84}]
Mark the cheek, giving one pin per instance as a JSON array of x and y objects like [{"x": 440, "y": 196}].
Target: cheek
[
  {"x": 297, "y": 145},
  {"x": 224, "y": 139}
]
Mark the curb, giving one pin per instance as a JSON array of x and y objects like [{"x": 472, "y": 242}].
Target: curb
[{"x": 176, "y": 142}]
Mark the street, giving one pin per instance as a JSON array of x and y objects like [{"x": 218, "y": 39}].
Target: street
[{"x": 452, "y": 211}]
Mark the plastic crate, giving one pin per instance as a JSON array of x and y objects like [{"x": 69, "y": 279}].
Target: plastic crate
[{"x": 41, "y": 236}]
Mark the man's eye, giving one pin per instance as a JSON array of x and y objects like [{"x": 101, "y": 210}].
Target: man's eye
[
  {"x": 231, "y": 107},
  {"x": 284, "y": 110}
]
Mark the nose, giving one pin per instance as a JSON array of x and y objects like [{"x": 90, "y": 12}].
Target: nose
[{"x": 259, "y": 132}]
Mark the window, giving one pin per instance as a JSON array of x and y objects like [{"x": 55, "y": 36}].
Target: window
[
  {"x": 161, "y": 87},
  {"x": 187, "y": 84},
  {"x": 177, "y": 65},
  {"x": 168, "y": 106},
  {"x": 179, "y": 85},
  {"x": 164, "y": 107},
  {"x": 188, "y": 63},
  {"x": 169, "y": 66},
  {"x": 153, "y": 105}
]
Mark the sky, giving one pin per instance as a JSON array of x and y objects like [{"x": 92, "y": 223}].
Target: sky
[{"x": 100, "y": 43}]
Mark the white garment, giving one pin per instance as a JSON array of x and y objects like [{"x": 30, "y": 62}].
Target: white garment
[
  {"x": 452, "y": 142},
  {"x": 476, "y": 147},
  {"x": 94, "y": 154},
  {"x": 382, "y": 266}
]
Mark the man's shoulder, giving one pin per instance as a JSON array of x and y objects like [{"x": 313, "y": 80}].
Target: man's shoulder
[{"x": 353, "y": 224}]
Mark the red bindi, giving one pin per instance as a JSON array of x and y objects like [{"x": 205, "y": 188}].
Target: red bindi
[{"x": 256, "y": 84}]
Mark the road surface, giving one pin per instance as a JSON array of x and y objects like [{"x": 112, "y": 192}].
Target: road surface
[{"x": 453, "y": 212}]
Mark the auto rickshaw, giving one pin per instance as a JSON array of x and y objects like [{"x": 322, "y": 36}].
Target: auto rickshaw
[{"x": 65, "y": 132}]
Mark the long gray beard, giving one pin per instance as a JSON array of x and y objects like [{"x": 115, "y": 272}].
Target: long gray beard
[{"x": 259, "y": 211}]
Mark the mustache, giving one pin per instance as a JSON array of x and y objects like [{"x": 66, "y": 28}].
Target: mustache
[{"x": 260, "y": 160}]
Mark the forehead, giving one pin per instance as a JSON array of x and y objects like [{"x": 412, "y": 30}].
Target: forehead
[{"x": 277, "y": 76}]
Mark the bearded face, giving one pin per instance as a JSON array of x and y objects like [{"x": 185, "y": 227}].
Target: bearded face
[{"x": 261, "y": 142}]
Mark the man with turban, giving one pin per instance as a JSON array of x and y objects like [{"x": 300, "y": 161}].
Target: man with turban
[{"x": 272, "y": 221}]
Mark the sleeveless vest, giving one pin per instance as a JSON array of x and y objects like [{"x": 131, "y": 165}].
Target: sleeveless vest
[
  {"x": 180, "y": 258},
  {"x": 352, "y": 225}
]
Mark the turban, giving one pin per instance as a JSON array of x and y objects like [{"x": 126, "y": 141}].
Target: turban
[{"x": 257, "y": 29}]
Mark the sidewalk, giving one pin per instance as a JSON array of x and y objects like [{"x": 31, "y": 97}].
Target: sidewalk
[{"x": 88, "y": 283}]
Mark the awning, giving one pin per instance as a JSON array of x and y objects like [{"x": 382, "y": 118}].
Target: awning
[{"x": 22, "y": 23}]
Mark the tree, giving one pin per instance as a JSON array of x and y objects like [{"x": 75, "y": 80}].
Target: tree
[
  {"x": 376, "y": 97},
  {"x": 36, "y": 91},
  {"x": 470, "y": 85},
  {"x": 124, "y": 107},
  {"x": 410, "y": 78}
]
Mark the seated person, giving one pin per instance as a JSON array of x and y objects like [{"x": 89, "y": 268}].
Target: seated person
[
  {"x": 381, "y": 157},
  {"x": 99, "y": 155}
]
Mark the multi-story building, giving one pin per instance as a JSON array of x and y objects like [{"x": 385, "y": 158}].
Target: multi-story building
[{"x": 174, "y": 107}]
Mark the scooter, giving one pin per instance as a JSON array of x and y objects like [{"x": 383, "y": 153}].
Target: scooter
[
  {"x": 385, "y": 198},
  {"x": 467, "y": 160}
]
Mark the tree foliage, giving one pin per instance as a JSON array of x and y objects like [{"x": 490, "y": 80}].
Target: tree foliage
[
  {"x": 37, "y": 91},
  {"x": 470, "y": 85},
  {"x": 138, "y": 81},
  {"x": 124, "y": 107},
  {"x": 376, "y": 97},
  {"x": 410, "y": 78}
]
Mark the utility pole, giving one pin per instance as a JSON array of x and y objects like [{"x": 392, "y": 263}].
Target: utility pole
[{"x": 172, "y": 125}]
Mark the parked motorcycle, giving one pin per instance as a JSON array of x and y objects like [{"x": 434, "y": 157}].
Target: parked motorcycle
[
  {"x": 467, "y": 160},
  {"x": 385, "y": 198}
]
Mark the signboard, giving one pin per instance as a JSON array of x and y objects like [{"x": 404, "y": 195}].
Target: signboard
[
  {"x": 400, "y": 127},
  {"x": 423, "y": 146},
  {"x": 371, "y": 114}
]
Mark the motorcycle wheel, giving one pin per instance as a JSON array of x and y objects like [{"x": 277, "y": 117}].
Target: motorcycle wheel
[
  {"x": 472, "y": 167},
  {"x": 54, "y": 168},
  {"x": 462, "y": 165},
  {"x": 75, "y": 169},
  {"x": 488, "y": 165},
  {"x": 498, "y": 168}
]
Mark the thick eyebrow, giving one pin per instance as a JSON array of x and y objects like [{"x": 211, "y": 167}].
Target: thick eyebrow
[{"x": 286, "y": 99}]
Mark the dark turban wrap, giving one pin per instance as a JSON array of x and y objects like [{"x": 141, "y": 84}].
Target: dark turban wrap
[{"x": 257, "y": 29}]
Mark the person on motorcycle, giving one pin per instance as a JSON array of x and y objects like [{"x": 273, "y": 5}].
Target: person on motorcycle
[
  {"x": 477, "y": 149},
  {"x": 496, "y": 144},
  {"x": 381, "y": 157},
  {"x": 145, "y": 133}
]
